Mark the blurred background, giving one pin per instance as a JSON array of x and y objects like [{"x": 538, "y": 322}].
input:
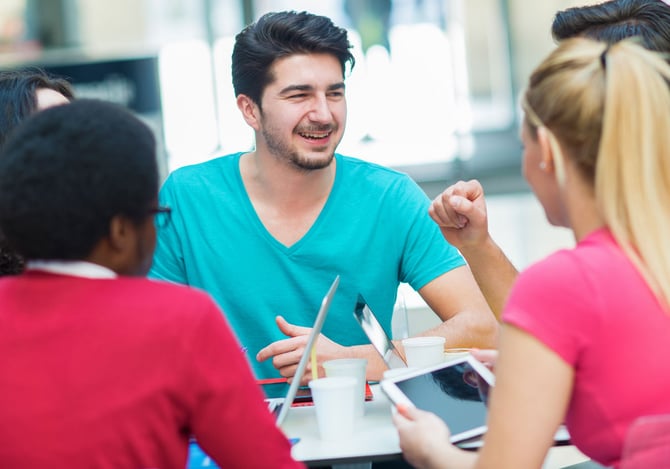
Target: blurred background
[{"x": 434, "y": 92}]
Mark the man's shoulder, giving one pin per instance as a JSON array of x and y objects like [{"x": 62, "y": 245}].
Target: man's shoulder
[
  {"x": 370, "y": 170},
  {"x": 212, "y": 168}
]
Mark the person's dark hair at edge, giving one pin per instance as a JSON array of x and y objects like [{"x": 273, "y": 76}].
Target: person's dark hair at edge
[
  {"x": 615, "y": 20},
  {"x": 281, "y": 34},
  {"x": 18, "y": 95},
  {"x": 18, "y": 100},
  {"x": 67, "y": 171}
]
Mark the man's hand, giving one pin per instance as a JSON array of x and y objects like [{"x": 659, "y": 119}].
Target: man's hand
[
  {"x": 460, "y": 212},
  {"x": 286, "y": 353}
]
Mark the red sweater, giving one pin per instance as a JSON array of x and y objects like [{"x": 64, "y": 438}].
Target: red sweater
[{"x": 118, "y": 373}]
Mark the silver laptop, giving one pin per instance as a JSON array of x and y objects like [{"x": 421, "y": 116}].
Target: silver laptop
[
  {"x": 281, "y": 406},
  {"x": 377, "y": 335}
]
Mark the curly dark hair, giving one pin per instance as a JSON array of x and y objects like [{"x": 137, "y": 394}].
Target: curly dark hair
[
  {"x": 11, "y": 263},
  {"x": 67, "y": 171}
]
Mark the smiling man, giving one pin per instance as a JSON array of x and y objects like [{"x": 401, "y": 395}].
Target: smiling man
[{"x": 266, "y": 232}]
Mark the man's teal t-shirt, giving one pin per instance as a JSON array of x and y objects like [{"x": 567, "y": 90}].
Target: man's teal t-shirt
[{"x": 374, "y": 231}]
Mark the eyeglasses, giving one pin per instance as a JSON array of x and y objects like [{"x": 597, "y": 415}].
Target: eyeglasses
[{"x": 162, "y": 216}]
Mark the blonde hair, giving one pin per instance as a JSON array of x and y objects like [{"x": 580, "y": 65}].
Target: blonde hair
[{"x": 609, "y": 107}]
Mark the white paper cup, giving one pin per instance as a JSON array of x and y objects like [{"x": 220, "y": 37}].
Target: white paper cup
[
  {"x": 421, "y": 352},
  {"x": 354, "y": 368},
  {"x": 334, "y": 403}
]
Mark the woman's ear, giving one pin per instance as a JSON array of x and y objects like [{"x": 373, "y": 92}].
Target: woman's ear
[
  {"x": 119, "y": 233},
  {"x": 250, "y": 111},
  {"x": 124, "y": 250},
  {"x": 116, "y": 249},
  {"x": 546, "y": 150},
  {"x": 552, "y": 158}
]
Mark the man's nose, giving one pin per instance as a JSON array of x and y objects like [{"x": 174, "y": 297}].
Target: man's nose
[{"x": 320, "y": 111}]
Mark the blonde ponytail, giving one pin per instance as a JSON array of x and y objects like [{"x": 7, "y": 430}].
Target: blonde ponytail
[{"x": 633, "y": 172}]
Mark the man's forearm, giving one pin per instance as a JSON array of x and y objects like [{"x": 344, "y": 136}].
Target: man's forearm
[
  {"x": 467, "y": 330},
  {"x": 493, "y": 272}
]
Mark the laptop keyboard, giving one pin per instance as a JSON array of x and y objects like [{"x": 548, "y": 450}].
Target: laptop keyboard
[{"x": 275, "y": 405}]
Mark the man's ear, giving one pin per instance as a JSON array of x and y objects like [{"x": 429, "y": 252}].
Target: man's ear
[{"x": 250, "y": 111}]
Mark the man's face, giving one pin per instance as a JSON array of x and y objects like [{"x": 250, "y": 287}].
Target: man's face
[{"x": 304, "y": 110}]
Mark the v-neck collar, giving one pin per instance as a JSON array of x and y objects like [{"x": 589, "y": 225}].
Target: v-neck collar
[{"x": 249, "y": 206}]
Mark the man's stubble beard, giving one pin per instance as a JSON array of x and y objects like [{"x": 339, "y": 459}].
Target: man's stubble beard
[{"x": 284, "y": 152}]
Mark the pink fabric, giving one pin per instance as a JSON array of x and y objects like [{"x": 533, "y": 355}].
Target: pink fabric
[
  {"x": 112, "y": 373},
  {"x": 592, "y": 307},
  {"x": 647, "y": 443}
]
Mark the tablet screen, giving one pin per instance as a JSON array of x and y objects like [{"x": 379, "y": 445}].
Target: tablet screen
[{"x": 456, "y": 393}]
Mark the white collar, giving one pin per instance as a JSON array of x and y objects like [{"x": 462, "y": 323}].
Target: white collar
[{"x": 73, "y": 268}]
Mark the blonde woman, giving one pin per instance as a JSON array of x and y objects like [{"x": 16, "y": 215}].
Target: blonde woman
[
  {"x": 460, "y": 210},
  {"x": 580, "y": 328}
]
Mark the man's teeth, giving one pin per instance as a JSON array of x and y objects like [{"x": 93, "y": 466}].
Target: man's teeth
[{"x": 324, "y": 135}]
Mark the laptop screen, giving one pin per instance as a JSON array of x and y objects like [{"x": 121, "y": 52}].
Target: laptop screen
[
  {"x": 302, "y": 365},
  {"x": 377, "y": 335}
]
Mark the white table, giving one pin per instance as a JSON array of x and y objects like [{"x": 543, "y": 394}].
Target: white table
[{"x": 374, "y": 438}]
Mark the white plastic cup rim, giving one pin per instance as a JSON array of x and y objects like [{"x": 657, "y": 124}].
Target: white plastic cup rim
[
  {"x": 332, "y": 382},
  {"x": 345, "y": 363},
  {"x": 423, "y": 341}
]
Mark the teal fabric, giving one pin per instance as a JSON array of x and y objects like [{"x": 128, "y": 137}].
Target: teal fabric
[{"x": 374, "y": 231}]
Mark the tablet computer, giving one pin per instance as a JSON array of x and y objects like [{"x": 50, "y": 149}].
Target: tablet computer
[{"x": 456, "y": 391}]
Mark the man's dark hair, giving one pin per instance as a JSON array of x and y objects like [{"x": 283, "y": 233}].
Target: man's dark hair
[
  {"x": 67, "y": 171},
  {"x": 615, "y": 20},
  {"x": 18, "y": 95},
  {"x": 278, "y": 35}
]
